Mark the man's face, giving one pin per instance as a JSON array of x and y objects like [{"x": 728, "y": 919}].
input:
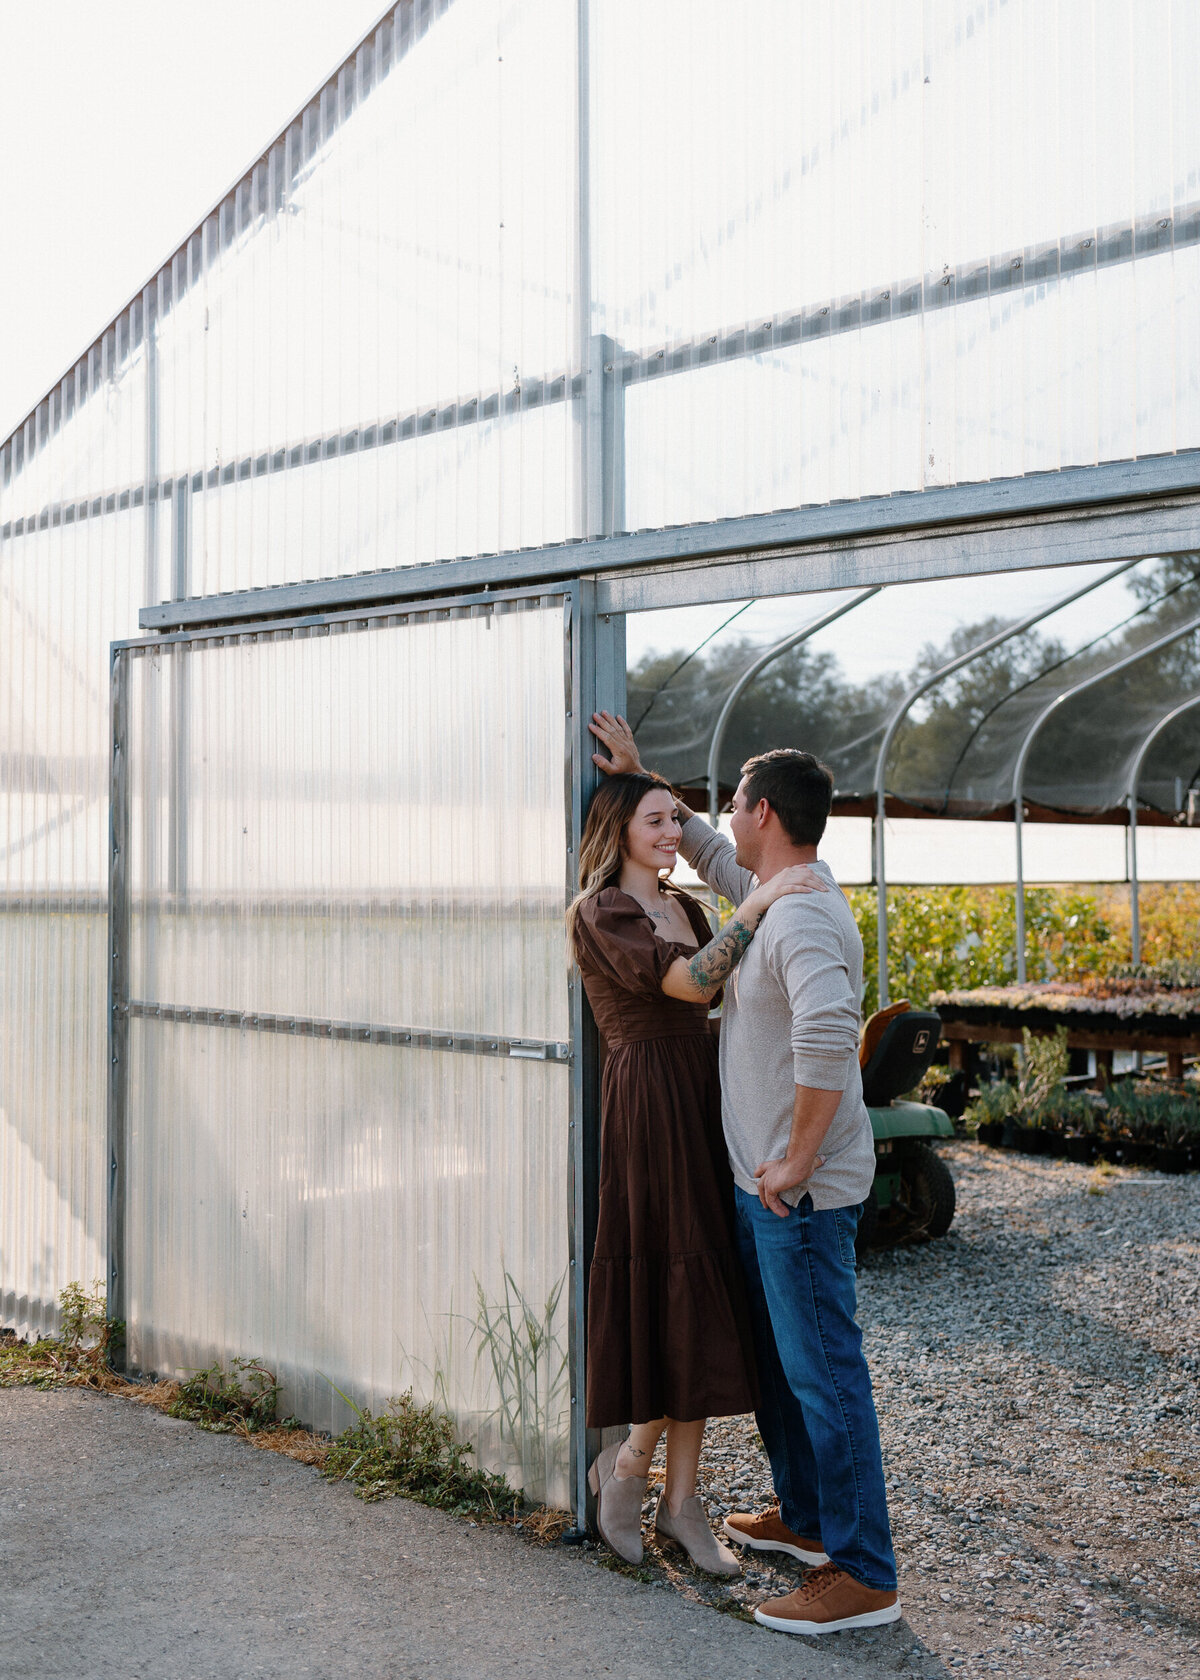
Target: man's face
[{"x": 745, "y": 830}]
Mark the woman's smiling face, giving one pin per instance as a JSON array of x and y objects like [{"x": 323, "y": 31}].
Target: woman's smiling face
[{"x": 652, "y": 838}]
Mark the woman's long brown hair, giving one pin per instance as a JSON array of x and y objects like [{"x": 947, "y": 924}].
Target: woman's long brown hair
[{"x": 601, "y": 856}]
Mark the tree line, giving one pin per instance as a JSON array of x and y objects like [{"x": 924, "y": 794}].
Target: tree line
[{"x": 956, "y": 750}]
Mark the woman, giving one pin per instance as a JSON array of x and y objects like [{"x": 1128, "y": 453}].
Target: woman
[{"x": 669, "y": 1341}]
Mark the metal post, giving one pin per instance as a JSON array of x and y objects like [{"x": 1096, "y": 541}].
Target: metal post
[
  {"x": 881, "y": 915},
  {"x": 1047, "y": 711},
  {"x": 180, "y": 680},
  {"x": 1019, "y": 835},
  {"x": 150, "y": 335},
  {"x": 896, "y": 719},
  {"x": 604, "y": 430},
  {"x": 118, "y": 984},
  {"x": 1131, "y": 799},
  {"x": 597, "y": 680},
  {"x": 1135, "y": 930}
]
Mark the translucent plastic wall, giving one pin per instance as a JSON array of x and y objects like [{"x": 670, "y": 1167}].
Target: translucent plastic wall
[
  {"x": 344, "y": 1007},
  {"x": 853, "y": 247},
  {"x": 66, "y": 590},
  {"x": 356, "y": 350},
  {"x": 343, "y": 368}
]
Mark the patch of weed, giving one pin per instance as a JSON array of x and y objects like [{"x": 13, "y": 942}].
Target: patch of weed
[
  {"x": 238, "y": 1401},
  {"x": 410, "y": 1450},
  {"x": 545, "y": 1525},
  {"x": 78, "y": 1357},
  {"x": 293, "y": 1442}
]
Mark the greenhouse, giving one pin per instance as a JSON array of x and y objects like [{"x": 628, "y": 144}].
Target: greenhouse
[{"x": 518, "y": 362}]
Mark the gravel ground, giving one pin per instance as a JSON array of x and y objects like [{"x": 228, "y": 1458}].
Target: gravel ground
[{"x": 1036, "y": 1375}]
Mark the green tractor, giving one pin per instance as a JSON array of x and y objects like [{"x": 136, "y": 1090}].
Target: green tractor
[{"x": 912, "y": 1198}]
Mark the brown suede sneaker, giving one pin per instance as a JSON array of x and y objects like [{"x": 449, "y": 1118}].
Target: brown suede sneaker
[
  {"x": 767, "y": 1533},
  {"x": 829, "y": 1601}
]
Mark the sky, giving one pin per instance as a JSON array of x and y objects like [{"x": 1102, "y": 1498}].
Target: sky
[{"x": 121, "y": 125}]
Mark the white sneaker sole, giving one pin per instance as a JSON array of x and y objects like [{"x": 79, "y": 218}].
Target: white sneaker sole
[
  {"x": 868, "y": 1618},
  {"x": 813, "y": 1559}
]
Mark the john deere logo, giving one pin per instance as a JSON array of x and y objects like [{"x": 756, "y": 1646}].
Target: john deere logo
[{"x": 921, "y": 1040}]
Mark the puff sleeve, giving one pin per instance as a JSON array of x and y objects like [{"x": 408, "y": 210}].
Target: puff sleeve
[{"x": 616, "y": 943}]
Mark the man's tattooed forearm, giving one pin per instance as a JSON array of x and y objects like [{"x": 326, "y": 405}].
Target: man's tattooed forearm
[{"x": 712, "y": 966}]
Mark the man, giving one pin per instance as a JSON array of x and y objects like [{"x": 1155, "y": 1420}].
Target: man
[{"x": 801, "y": 1149}]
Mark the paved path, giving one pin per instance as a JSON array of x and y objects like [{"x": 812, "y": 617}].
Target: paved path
[{"x": 135, "y": 1545}]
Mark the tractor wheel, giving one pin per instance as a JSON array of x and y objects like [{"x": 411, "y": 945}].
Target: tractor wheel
[
  {"x": 927, "y": 1190},
  {"x": 868, "y": 1225}
]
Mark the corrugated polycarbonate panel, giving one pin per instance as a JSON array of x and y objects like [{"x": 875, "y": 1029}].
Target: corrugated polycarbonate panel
[
  {"x": 853, "y": 248},
  {"x": 340, "y": 836},
  {"x": 841, "y": 250},
  {"x": 65, "y": 592},
  {"x": 373, "y": 317}
]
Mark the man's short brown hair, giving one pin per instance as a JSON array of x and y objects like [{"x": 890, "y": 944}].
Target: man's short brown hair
[{"x": 797, "y": 787}]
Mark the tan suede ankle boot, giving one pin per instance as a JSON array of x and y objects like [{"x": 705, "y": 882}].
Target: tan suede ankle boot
[
  {"x": 618, "y": 1505},
  {"x": 690, "y": 1530}
]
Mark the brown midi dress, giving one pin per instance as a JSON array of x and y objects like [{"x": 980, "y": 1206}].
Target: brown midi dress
[{"x": 668, "y": 1324}]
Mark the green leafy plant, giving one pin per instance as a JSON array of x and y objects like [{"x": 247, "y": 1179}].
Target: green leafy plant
[
  {"x": 1145, "y": 1111},
  {"x": 410, "y": 1449},
  {"x": 1038, "y": 1096},
  {"x": 995, "y": 1103},
  {"x": 1041, "y": 1075},
  {"x": 1075, "y": 1111},
  {"x": 241, "y": 1400},
  {"x": 78, "y": 1357},
  {"x": 528, "y": 1365}
]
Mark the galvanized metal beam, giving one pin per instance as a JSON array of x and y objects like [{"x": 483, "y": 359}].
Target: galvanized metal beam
[
  {"x": 357, "y": 1032},
  {"x": 1121, "y": 510},
  {"x": 1078, "y": 517},
  {"x": 118, "y": 970},
  {"x": 597, "y": 682}
]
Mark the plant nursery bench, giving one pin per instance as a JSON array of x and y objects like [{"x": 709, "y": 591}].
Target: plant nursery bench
[{"x": 1103, "y": 1020}]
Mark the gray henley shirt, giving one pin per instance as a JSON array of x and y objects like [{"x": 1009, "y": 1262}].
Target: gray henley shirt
[{"x": 791, "y": 1017}]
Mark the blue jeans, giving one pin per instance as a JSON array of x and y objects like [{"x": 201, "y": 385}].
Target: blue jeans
[{"x": 816, "y": 1416}]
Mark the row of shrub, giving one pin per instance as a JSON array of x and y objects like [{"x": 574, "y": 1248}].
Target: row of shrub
[
  {"x": 956, "y": 938},
  {"x": 1137, "y": 1121}
]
